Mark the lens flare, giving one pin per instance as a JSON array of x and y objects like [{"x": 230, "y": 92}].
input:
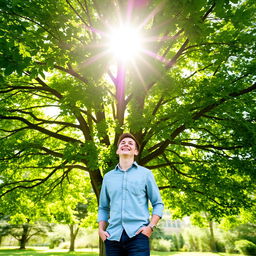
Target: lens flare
[{"x": 125, "y": 43}]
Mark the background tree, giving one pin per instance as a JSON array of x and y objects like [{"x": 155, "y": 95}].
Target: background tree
[
  {"x": 28, "y": 212},
  {"x": 203, "y": 220},
  {"x": 64, "y": 214},
  {"x": 24, "y": 231},
  {"x": 81, "y": 212},
  {"x": 4, "y": 230},
  {"x": 189, "y": 98},
  {"x": 24, "y": 217},
  {"x": 69, "y": 204}
]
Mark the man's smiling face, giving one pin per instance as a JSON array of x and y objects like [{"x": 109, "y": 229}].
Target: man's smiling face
[{"x": 127, "y": 147}]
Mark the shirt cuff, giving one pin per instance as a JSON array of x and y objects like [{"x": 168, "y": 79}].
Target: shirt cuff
[
  {"x": 102, "y": 216},
  {"x": 158, "y": 210}
]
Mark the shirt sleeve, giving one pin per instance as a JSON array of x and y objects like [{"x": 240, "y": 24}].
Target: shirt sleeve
[
  {"x": 103, "y": 210},
  {"x": 154, "y": 195}
]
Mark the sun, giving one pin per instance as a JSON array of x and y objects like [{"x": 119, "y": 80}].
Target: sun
[{"x": 125, "y": 43}]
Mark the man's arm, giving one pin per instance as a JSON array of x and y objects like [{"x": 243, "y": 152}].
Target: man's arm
[
  {"x": 157, "y": 203},
  {"x": 154, "y": 196},
  {"x": 103, "y": 212},
  {"x": 154, "y": 221}
]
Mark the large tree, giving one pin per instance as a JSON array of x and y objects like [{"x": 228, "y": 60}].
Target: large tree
[{"x": 189, "y": 97}]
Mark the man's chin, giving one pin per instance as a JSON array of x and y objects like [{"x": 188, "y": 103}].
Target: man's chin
[{"x": 126, "y": 153}]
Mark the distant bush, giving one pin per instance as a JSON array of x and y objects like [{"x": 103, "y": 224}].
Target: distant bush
[
  {"x": 55, "y": 242},
  {"x": 196, "y": 239},
  {"x": 229, "y": 239},
  {"x": 177, "y": 241},
  {"x": 246, "y": 247},
  {"x": 91, "y": 239},
  {"x": 160, "y": 245},
  {"x": 220, "y": 246},
  {"x": 241, "y": 232},
  {"x": 64, "y": 245}
]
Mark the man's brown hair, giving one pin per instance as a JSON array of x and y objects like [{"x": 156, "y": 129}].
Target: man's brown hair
[{"x": 128, "y": 135}]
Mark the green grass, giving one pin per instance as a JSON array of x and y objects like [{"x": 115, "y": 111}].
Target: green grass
[
  {"x": 33, "y": 252},
  {"x": 191, "y": 254}
]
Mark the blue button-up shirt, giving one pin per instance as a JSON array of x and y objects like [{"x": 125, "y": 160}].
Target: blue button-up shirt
[{"x": 124, "y": 200}]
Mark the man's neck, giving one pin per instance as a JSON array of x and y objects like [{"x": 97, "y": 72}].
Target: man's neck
[{"x": 126, "y": 163}]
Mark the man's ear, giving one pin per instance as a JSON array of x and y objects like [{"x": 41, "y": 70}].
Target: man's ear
[{"x": 136, "y": 152}]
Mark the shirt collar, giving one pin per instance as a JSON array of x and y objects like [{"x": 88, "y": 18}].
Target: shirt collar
[{"x": 133, "y": 165}]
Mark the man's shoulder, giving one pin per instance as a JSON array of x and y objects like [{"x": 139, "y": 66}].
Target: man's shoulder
[
  {"x": 110, "y": 173},
  {"x": 143, "y": 169}
]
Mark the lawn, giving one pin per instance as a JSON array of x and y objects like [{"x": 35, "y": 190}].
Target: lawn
[
  {"x": 33, "y": 252},
  {"x": 191, "y": 254}
]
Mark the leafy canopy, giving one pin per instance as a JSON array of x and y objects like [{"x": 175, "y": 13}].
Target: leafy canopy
[{"x": 189, "y": 98}]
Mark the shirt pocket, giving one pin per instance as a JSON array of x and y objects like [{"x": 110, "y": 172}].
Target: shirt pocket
[{"x": 136, "y": 187}]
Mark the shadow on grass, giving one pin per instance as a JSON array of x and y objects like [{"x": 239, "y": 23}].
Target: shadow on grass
[{"x": 32, "y": 252}]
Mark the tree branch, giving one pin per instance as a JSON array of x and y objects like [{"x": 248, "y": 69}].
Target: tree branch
[
  {"x": 201, "y": 69},
  {"x": 72, "y": 72},
  {"x": 206, "y": 146},
  {"x": 177, "y": 170},
  {"x": 74, "y": 10},
  {"x": 83, "y": 125},
  {"x": 11, "y": 132},
  {"x": 224, "y": 99},
  {"x": 40, "y": 129},
  {"x": 57, "y": 183},
  {"x": 163, "y": 145},
  {"x": 151, "y": 167},
  {"x": 45, "y": 121},
  {"x": 40, "y": 181},
  {"x": 174, "y": 59},
  {"x": 33, "y": 21}
]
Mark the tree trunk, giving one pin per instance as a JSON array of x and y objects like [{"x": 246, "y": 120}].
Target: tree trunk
[
  {"x": 96, "y": 181},
  {"x": 120, "y": 92},
  {"x": 102, "y": 248},
  {"x": 212, "y": 238},
  {"x": 24, "y": 236},
  {"x": 73, "y": 235}
]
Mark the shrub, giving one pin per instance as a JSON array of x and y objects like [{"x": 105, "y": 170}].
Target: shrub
[
  {"x": 173, "y": 246},
  {"x": 55, "y": 242},
  {"x": 199, "y": 239},
  {"x": 177, "y": 242},
  {"x": 90, "y": 238},
  {"x": 229, "y": 239},
  {"x": 64, "y": 245},
  {"x": 245, "y": 247},
  {"x": 241, "y": 232},
  {"x": 220, "y": 246},
  {"x": 160, "y": 245},
  {"x": 192, "y": 239},
  {"x": 181, "y": 241}
]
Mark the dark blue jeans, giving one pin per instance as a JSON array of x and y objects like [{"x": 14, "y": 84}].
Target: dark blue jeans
[{"x": 135, "y": 246}]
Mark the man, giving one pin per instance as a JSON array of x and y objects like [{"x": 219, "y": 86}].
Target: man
[{"x": 124, "y": 204}]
